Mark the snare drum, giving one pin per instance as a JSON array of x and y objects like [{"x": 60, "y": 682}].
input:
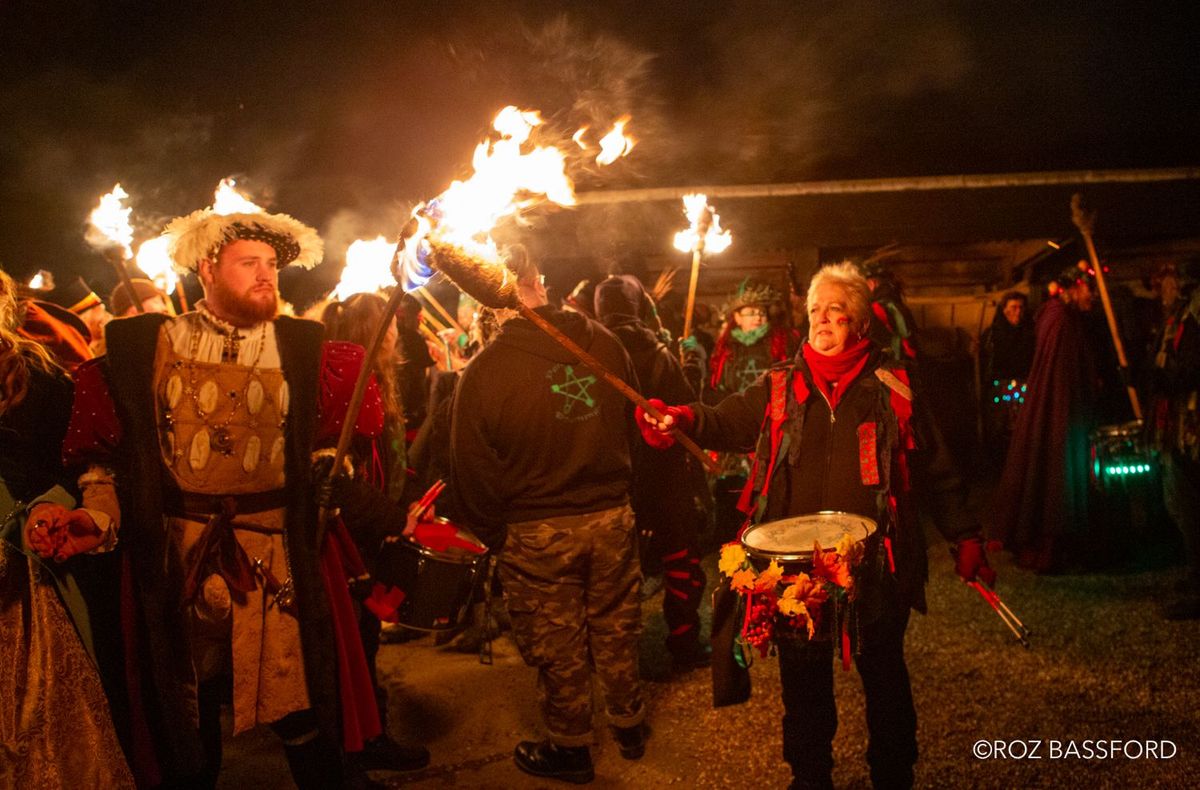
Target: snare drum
[
  {"x": 790, "y": 541},
  {"x": 438, "y": 583},
  {"x": 1119, "y": 453}
]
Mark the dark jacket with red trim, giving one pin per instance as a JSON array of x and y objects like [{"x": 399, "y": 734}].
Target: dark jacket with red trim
[
  {"x": 114, "y": 423},
  {"x": 878, "y": 455}
]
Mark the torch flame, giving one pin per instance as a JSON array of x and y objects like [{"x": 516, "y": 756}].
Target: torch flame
[
  {"x": 578, "y": 138},
  {"x": 227, "y": 200},
  {"x": 152, "y": 258},
  {"x": 713, "y": 239},
  {"x": 615, "y": 144},
  {"x": 42, "y": 281},
  {"x": 110, "y": 222},
  {"x": 506, "y": 182},
  {"x": 366, "y": 268}
]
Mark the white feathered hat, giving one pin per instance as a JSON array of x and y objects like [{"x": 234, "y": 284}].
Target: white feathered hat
[{"x": 201, "y": 234}]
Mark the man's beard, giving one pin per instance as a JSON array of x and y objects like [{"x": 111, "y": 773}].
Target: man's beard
[{"x": 245, "y": 308}]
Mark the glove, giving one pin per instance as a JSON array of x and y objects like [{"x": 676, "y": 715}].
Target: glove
[
  {"x": 656, "y": 436},
  {"x": 333, "y": 490},
  {"x": 690, "y": 343},
  {"x": 970, "y": 561}
]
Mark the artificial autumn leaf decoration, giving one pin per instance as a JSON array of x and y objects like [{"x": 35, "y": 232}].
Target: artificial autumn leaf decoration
[
  {"x": 743, "y": 580},
  {"x": 798, "y": 599},
  {"x": 733, "y": 557},
  {"x": 769, "y": 578},
  {"x": 828, "y": 565}
]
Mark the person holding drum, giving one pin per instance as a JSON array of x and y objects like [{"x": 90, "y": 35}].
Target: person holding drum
[{"x": 838, "y": 430}]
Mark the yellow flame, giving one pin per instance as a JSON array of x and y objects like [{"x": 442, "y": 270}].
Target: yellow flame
[
  {"x": 578, "y": 138},
  {"x": 43, "y": 280},
  {"x": 368, "y": 267},
  {"x": 110, "y": 219},
  {"x": 152, "y": 258},
  {"x": 615, "y": 144},
  {"x": 227, "y": 200},
  {"x": 715, "y": 240},
  {"x": 509, "y": 178}
]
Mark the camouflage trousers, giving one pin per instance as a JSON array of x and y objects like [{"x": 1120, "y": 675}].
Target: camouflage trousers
[{"x": 571, "y": 586}]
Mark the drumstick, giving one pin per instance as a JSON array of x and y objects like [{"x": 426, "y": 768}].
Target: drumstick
[
  {"x": 423, "y": 504},
  {"x": 994, "y": 597},
  {"x": 1010, "y": 613},
  {"x": 983, "y": 594}
]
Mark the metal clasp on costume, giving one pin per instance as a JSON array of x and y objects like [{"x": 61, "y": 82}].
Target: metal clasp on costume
[{"x": 284, "y": 595}]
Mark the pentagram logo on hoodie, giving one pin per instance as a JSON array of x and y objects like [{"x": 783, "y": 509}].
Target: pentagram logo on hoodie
[{"x": 574, "y": 388}]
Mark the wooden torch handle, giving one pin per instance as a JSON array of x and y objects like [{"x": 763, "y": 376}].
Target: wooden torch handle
[
  {"x": 619, "y": 384},
  {"x": 1083, "y": 220}
]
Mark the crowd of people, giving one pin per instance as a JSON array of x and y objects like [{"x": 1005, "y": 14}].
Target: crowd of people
[{"x": 178, "y": 536}]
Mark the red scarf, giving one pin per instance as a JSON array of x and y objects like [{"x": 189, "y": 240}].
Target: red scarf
[{"x": 834, "y": 374}]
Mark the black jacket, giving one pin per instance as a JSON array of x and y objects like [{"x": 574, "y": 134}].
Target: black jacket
[
  {"x": 534, "y": 433},
  {"x": 666, "y": 484},
  {"x": 821, "y": 469}
]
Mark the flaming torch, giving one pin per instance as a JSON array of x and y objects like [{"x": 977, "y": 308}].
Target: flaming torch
[
  {"x": 704, "y": 235},
  {"x": 227, "y": 200},
  {"x": 511, "y": 176},
  {"x": 109, "y": 229},
  {"x": 153, "y": 259}
]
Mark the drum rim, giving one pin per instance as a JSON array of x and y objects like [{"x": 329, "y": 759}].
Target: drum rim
[{"x": 762, "y": 554}]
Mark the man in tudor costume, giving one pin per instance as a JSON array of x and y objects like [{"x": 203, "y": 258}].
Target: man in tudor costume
[
  {"x": 197, "y": 434},
  {"x": 839, "y": 430}
]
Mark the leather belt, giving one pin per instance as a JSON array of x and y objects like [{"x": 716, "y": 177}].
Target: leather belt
[{"x": 200, "y": 506}]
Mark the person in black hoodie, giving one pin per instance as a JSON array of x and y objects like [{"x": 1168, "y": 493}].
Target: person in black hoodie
[
  {"x": 541, "y": 463},
  {"x": 669, "y": 487}
]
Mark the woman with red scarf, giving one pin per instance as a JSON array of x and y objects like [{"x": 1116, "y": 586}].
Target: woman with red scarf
[{"x": 838, "y": 431}]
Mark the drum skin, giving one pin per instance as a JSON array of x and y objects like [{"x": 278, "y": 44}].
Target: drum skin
[{"x": 790, "y": 541}]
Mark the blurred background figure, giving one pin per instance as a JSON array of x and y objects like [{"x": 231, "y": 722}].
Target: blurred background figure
[
  {"x": 152, "y": 298},
  {"x": 1041, "y": 505},
  {"x": 412, "y": 361},
  {"x": 1173, "y": 424},
  {"x": 747, "y": 346},
  {"x": 1006, "y": 355},
  {"x": 669, "y": 488},
  {"x": 77, "y": 297}
]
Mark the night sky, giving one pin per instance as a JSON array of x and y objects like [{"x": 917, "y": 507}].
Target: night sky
[{"x": 345, "y": 118}]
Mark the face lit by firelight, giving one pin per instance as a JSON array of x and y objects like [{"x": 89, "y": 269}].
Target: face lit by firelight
[
  {"x": 830, "y": 324},
  {"x": 750, "y": 318}
]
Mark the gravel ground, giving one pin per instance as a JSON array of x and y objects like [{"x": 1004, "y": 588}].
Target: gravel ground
[{"x": 1103, "y": 666}]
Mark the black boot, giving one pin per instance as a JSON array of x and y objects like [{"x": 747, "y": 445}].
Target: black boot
[
  {"x": 316, "y": 764},
  {"x": 381, "y": 753},
  {"x": 544, "y": 758},
  {"x": 631, "y": 740}
]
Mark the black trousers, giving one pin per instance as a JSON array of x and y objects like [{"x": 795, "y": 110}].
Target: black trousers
[{"x": 810, "y": 713}]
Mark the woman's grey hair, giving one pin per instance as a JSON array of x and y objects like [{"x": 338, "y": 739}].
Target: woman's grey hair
[{"x": 858, "y": 290}]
